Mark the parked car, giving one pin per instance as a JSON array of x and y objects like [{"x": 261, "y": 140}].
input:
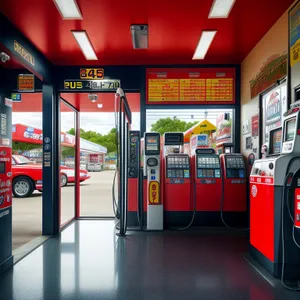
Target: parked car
[{"x": 27, "y": 176}]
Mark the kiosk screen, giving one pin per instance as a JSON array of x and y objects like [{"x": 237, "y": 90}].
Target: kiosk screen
[
  {"x": 275, "y": 141},
  {"x": 152, "y": 143},
  {"x": 290, "y": 130}
]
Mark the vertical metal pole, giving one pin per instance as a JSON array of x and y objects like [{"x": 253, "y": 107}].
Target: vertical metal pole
[
  {"x": 126, "y": 150},
  {"x": 121, "y": 167},
  {"x": 77, "y": 165}
]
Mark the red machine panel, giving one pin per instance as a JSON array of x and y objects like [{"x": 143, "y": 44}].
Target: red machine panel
[
  {"x": 133, "y": 194},
  {"x": 262, "y": 215},
  {"x": 178, "y": 195},
  {"x": 133, "y": 170},
  {"x": 208, "y": 182},
  {"x": 235, "y": 185},
  {"x": 177, "y": 183}
]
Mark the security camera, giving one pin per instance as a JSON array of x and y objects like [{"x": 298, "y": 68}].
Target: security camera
[
  {"x": 93, "y": 97},
  {"x": 4, "y": 57}
]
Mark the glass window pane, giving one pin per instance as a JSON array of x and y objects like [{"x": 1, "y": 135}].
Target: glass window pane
[{"x": 67, "y": 162}]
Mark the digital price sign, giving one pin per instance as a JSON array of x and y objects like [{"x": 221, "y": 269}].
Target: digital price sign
[
  {"x": 95, "y": 73},
  {"x": 92, "y": 85}
]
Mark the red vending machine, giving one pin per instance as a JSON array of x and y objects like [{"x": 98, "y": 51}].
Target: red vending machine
[
  {"x": 234, "y": 185},
  {"x": 274, "y": 201},
  {"x": 178, "y": 202},
  {"x": 5, "y": 184}
]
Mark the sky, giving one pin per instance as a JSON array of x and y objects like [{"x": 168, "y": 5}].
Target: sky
[{"x": 104, "y": 122}]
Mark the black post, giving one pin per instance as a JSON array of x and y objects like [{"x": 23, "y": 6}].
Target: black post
[{"x": 51, "y": 161}]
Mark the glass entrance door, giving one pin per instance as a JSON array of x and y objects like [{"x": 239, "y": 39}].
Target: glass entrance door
[{"x": 68, "y": 166}]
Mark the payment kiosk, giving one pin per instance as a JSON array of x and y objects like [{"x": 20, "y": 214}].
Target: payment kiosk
[
  {"x": 133, "y": 175},
  {"x": 177, "y": 178},
  {"x": 274, "y": 201},
  {"x": 234, "y": 182},
  {"x": 207, "y": 180},
  {"x": 151, "y": 164}
]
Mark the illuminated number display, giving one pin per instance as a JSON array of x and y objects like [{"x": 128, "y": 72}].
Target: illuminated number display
[
  {"x": 87, "y": 85},
  {"x": 91, "y": 73}
]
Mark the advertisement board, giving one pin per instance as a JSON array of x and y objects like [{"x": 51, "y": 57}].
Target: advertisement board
[
  {"x": 275, "y": 105},
  {"x": 94, "y": 158},
  {"x": 255, "y": 125},
  {"x": 224, "y": 128}
]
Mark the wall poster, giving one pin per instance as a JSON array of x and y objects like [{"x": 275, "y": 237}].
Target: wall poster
[
  {"x": 255, "y": 126},
  {"x": 224, "y": 128},
  {"x": 274, "y": 106}
]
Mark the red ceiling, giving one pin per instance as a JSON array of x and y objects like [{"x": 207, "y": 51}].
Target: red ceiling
[
  {"x": 174, "y": 29},
  {"x": 32, "y": 102}
]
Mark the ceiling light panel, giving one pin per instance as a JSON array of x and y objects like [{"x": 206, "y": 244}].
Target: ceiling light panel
[
  {"x": 68, "y": 9},
  {"x": 204, "y": 44},
  {"x": 221, "y": 8},
  {"x": 85, "y": 45}
]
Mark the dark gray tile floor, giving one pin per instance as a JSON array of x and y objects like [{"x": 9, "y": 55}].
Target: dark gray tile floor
[{"x": 88, "y": 261}]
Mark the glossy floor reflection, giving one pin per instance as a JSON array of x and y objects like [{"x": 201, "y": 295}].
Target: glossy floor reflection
[{"x": 88, "y": 261}]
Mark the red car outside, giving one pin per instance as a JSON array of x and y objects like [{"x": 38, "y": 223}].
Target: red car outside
[{"x": 27, "y": 176}]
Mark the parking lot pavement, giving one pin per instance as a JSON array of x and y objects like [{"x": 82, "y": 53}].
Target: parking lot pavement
[
  {"x": 96, "y": 195},
  {"x": 96, "y": 200}
]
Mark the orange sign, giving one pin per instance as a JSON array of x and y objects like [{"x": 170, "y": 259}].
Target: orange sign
[
  {"x": 90, "y": 74},
  {"x": 154, "y": 193},
  {"x": 26, "y": 83}
]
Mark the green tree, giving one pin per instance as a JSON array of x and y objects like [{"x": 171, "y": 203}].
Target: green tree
[
  {"x": 106, "y": 140},
  {"x": 17, "y": 146},
  {"x": 171, "y": 125},
  {"x": 67, "y": 151}
]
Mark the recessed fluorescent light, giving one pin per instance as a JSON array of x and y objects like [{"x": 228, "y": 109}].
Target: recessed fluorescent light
[
  {"x": 221, "y": 8},
  {"x": 204, "y": 44},
  {"x": 68, "y": 9},
  {"x": 85, "y": 44},
  {"x": 99, "y": 105}
]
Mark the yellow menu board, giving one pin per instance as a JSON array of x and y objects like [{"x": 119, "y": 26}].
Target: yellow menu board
[{"x": 190, "y": 85}]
